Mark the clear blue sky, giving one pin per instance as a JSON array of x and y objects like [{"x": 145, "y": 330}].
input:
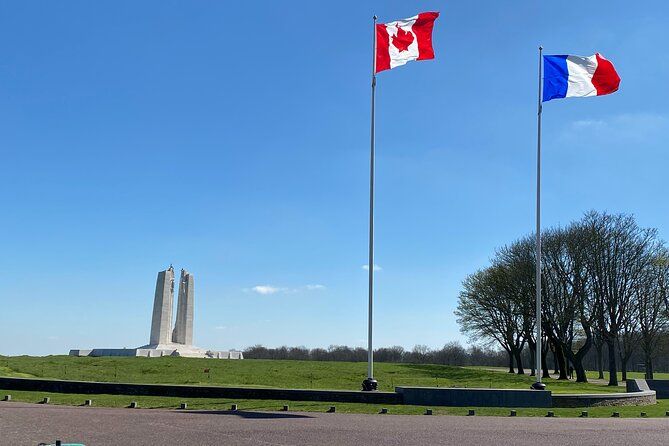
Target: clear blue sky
[{"x": 232, "y": 138}]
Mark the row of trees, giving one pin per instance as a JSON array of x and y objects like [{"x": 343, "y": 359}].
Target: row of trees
[
  {"x": 451, "y": 354},
  {"x": 605, "y": 283}
]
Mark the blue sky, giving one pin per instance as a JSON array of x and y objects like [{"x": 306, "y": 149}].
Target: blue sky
[{"x": 232, "y": 138}]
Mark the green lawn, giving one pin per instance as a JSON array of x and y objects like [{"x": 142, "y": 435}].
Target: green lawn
[
  {"x": 592, "y": 375},
  {"x": 149, "y": 402},
  {"x": 632, "y": 375},
  {"x": 268, "y": 373},
  {"x": 287, "y": 374}
]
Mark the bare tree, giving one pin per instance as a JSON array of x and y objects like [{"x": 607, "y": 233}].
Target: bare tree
[
  {"x": 451, "y": 354},
  {"x": 568, "y": 307},
  {"x": 598, "y": 342},
  {"x": 516, "y": 264},
  {"x": 389, "y": 354},
  {"x": 486, "y": 313},
  {"x": 629, "y": 336},
  {"x": 617, "y": 256},
  {"x": 652, "y": 311},
  {"x": 603, "y": 283}
]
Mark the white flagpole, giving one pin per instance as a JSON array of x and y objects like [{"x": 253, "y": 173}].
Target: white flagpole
[
  {"x": 538, "y": 385},
  {"x": 370, "y": 383}
]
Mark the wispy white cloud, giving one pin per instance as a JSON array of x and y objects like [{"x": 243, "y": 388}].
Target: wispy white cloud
[
  {"x": 376, "y": 267},
  {"x": 589, "y": 124},
  {"x": 266, "y": 290},
  {"x": 220, "y": 327},
  {"x": 627, "y": 128}
]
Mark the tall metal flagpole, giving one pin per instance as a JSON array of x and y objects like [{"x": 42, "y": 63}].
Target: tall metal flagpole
[
  {"x": 370, "y": 383},
  {"x": 538, "y": 385}
]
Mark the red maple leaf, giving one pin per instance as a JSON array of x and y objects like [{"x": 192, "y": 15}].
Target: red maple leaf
[{"x": 402, "y": 39}]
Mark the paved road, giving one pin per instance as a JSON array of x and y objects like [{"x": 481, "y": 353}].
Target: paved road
[{"x": 29, "y": 424}]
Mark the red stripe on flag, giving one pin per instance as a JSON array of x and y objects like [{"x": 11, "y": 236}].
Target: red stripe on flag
[
  {"x": 423, "y": 30},
  {"x": 605, "y": 79},
  {"x": 382, "y": 48}
]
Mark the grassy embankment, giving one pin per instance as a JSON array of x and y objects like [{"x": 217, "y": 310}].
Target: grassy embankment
[
  {"x": 268, "y": 373},
  {"x": 284, "y": 374}
]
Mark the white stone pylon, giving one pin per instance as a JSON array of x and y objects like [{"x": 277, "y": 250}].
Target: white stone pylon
[
  {"x": 161, "y": 321},
  {"x": 183, "y": 328},
  {"x": 164, "y": 341}
]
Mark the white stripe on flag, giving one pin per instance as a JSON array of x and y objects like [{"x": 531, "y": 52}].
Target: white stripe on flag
[{"x": 581, "y": 70}]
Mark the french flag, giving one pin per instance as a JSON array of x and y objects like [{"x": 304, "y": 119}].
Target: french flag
[{"x": 578, "y": 76}]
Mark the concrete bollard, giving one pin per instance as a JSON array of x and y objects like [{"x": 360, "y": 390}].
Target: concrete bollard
[
  {"x": 512, "y": 413},
  {"x": 332, "y": 409},
  {"x": 428, "y": 411},
  {"x": 550, "y": 414},
  {"x": 7, "y": 398},
  {"x": 233, "y": 407},
  {"x": 285, "y": 408},
  {"x": 471, "y": 413},
  {"x": 46, "y": 400},
  {"x": 584, "y": 414},
  {"x": 384, "y": 410},
  {"x": 88, "y": 403},
  {"x": 134, "y": 405},
  {"x": 183, "y": 406},
  {"x": 615, "y": 414}
]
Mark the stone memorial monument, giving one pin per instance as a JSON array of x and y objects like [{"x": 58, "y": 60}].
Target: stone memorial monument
[
  {"x": 183, "y": 328},
  {"x": 165, "y": 340}
]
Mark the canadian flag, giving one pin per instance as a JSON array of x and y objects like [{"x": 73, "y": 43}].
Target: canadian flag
[{"x": 404, "y": 40}]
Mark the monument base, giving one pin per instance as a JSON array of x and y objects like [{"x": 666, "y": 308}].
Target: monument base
[{"x": 160, "y": 350}]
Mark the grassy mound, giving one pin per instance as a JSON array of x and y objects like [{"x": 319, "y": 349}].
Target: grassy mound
[{"x": 268, "y": 373}]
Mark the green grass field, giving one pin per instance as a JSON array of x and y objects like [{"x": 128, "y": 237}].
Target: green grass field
[
  {"x": 630, "y": 375},
  {"x": 286, "y": 374},
  {"x": 593, "y": 375},
  {"x": 149, "y": 402},
  {"x": 269, "y": 373}
]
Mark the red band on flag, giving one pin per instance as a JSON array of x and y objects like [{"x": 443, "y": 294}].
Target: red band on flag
[
  {"x": 423, "y": 30},
  {"x": 382, "y": 49},
  {"x": 605, "y": 79}
]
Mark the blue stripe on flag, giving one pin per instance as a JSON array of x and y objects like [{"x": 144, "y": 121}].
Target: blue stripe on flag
[{"x": 555, "y": 77}]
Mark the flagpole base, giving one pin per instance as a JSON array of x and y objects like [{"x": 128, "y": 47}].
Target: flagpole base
[
  {"x": 369, "y": 385},
  {"x": 538, "y": 386}
]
